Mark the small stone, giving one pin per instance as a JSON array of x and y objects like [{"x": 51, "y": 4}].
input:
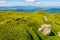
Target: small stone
[
  {"x": 46, "y": 19},
  {"x": 58, "y": 33},
  {"x": 45, "y": 29}
]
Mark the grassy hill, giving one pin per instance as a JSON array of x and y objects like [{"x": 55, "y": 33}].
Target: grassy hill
[{"x": 24, "y": 25}]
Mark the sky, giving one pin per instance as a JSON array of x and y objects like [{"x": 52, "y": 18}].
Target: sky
[{"x": 29, "y": 2}]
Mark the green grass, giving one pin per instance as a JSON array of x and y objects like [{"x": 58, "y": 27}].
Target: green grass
[{"x": 24, "y": 25}]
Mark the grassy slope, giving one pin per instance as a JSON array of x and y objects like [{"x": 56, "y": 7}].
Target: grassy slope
[{"x": 24, "y": 25}]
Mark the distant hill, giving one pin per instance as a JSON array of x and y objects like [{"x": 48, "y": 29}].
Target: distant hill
[
  {"x": 53, "y": 10},
  {"x": 31, "y": 8}
]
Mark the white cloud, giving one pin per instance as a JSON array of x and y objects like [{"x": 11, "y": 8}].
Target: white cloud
[
  {"x": 30, "y": 0},
  {"x": 52, "y": 4},
  {"x": 28, "y": 3},
  {"x": 2, "y": 1},
  {"x": 38, "y": 3}
]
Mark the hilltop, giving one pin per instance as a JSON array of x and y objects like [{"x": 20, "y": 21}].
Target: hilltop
[{"x": 24, "y": 25}]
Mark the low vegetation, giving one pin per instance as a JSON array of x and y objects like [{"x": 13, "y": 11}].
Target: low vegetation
[{"x": 24, "y": 25}]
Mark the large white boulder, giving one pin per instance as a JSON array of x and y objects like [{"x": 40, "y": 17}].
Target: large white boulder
[{"x": 45, "y": 29}]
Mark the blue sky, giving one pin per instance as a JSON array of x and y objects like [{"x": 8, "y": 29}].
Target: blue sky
[{"x": 29, "y": 2}]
